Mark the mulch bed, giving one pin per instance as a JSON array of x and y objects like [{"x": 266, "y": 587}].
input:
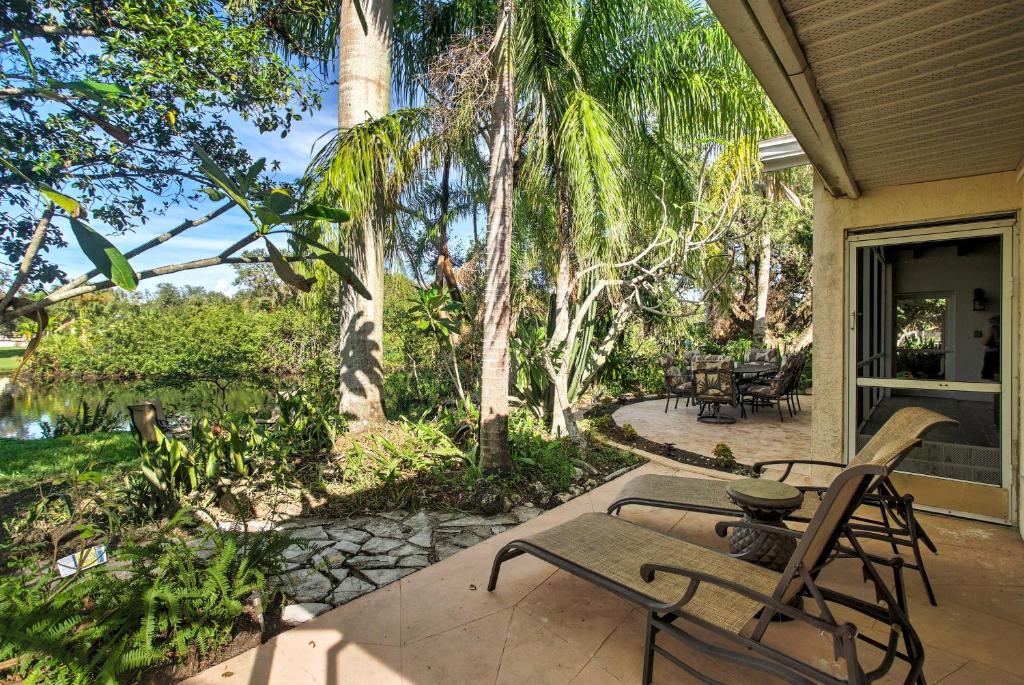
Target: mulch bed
[{"x": 614, "y": 432}]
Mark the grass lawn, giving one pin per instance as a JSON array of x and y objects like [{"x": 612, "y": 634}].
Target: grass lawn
[
  {"x": 26, "y": 462},
  {"x": 10, "y": 357}
]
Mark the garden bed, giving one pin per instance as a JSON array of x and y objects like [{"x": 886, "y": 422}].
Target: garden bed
[{"x": 603, "y": 421}]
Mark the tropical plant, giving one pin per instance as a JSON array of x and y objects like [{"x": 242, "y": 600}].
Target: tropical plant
[
  {"x": 172, "y": 597},
  {"x": 97, "y": 418},
  {"x": 436, "y": 312},
  {"x": 724, "y": 458},
  {"x": 306, "y": 424}
]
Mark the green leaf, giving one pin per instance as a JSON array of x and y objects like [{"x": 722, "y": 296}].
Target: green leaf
[
  {"x": 344, "y": 267},
  {"x": 252, "y": 174},
  {"x": 94, "y": 90},
  {"x": 267, "y": 217},
  {"x": 278, "y": 200},
  {"x": 68, "y": 204},
  {"x": 15, "y": 170},
  {"x": 213, "y": 194},
  {"x": 27, "y": 57},
  {"x": 316, "y": 211},
  {"x": 284, "y": 270},
  {"x": 220, "y": 177},
  {"x": 104, "y": 256}
]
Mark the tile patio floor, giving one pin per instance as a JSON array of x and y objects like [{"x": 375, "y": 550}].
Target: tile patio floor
[
  {"x": 758, "y": 437},
  {"x": 440, "y": 625}
]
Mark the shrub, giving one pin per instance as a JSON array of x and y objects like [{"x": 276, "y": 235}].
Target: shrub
[
  {"x": 173, "y": 599},
  {"x": 628, "y": 432},
  {"x": 724, "y": 458}
]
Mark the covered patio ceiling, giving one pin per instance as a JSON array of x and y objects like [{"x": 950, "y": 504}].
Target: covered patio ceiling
[{"x": 890, "y": 92}]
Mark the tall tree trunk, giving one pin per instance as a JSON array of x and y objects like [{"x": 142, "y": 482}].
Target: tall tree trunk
[
  {"x": 494, "y": 372},
  {"x": 560, "y": 349},
  {"x": 364, "y": 92},
  {"x": 764, "y": 277}
]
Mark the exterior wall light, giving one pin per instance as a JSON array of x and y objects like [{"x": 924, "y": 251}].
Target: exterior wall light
[{"x": 979, "y": 300}]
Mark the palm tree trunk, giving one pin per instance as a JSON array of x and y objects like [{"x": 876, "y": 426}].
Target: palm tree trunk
[
  {"x": 364, "y": 92},
  {"x": 764, "y": 275},
  {"x": 494, "y": 372}
]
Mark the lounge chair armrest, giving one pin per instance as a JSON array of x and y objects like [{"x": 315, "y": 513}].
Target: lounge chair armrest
[
  {"x": 790, "y": 463},
  {"x": 649, "y": 571}
]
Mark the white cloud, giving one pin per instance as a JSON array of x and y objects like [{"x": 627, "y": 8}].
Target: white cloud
[{"x": 225, "y": 287}]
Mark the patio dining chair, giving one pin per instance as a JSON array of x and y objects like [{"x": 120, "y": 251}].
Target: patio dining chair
[
  {"x": 683, "y": 585},
  {"x": 675, "y": 383},
  {"x": 759, "y": 356},
  {"x": 714, "y": 384},
  {"x": 777, "y": 389},
  {"x": 895, "y": 525}
]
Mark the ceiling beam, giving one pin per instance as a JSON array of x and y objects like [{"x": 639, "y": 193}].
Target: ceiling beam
[{"x": 763, "y": 35}]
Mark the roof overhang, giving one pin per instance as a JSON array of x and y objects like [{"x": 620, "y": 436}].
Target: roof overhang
[
  {"x": 890, "y": 92},
  {"x": 764, "y": 37}
]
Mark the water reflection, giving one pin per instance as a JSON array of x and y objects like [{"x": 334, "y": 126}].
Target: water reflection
[{"x": 23, "y": 408}]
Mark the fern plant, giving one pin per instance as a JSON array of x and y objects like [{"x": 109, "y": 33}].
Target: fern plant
[
  {"x": 97, "y": 418},
  {"x": 175, "y": 598}
]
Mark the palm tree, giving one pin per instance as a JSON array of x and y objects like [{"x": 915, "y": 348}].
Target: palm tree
[
  {"x": 495, "y": 365},
  {"x": 364, "y": 92},
  {"x": 606, "y": 87}
]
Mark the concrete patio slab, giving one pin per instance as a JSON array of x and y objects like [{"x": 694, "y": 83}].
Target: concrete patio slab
[
  {"x": 758, "y": 437},
  {"x": 440, "y": 625}
]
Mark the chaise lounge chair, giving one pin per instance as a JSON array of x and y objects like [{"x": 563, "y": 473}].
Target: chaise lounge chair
[
  {"x": 896, "y": 524},
  {"x": 681, "y": 584}
]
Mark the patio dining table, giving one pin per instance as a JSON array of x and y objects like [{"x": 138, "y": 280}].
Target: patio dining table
[{"x": 754, "y": 369}]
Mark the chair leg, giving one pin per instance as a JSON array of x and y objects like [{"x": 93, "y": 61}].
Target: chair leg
[
  {"x": 915, "y": 544},
  {"x": 778, "y": 405},
  {"x": 648, "y": 675},
  {"x": 677, "y": 402},
  {"x": 668, "y": 398},
  {"x": 798, "y": 407}
]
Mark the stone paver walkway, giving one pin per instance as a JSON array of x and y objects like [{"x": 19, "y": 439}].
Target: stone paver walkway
[
  {"x": 343, "y": 559},
  {"x": 440, "y": 625}
]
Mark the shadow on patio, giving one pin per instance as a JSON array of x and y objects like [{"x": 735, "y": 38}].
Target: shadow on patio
[{"x": 440, "y": 625}]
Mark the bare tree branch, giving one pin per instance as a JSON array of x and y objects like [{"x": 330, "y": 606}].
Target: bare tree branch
[{"x": 31, "y": 251}]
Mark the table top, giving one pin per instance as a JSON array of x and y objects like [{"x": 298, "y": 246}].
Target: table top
[
  {"x": 765, "y": 493},
  {"x": 756, "y": 367}
]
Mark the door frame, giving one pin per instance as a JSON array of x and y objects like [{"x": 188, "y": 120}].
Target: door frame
[{"x": 1006, "y": 229}]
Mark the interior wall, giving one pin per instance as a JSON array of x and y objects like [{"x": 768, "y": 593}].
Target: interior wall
[{"x": 941, "y": 270}]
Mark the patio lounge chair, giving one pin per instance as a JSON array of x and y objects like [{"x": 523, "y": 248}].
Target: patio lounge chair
[
  {"x": 681, "y": 584},
  {"x": 896, "y": 524}
]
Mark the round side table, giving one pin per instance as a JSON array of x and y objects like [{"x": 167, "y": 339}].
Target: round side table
[{"x": 767, "y": 502}]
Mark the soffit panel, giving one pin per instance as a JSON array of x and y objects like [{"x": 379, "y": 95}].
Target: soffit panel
[{"x": 918, "y": 90}]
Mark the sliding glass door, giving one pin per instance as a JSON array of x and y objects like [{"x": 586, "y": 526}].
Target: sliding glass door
[{"x": 926, "y": 308}]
